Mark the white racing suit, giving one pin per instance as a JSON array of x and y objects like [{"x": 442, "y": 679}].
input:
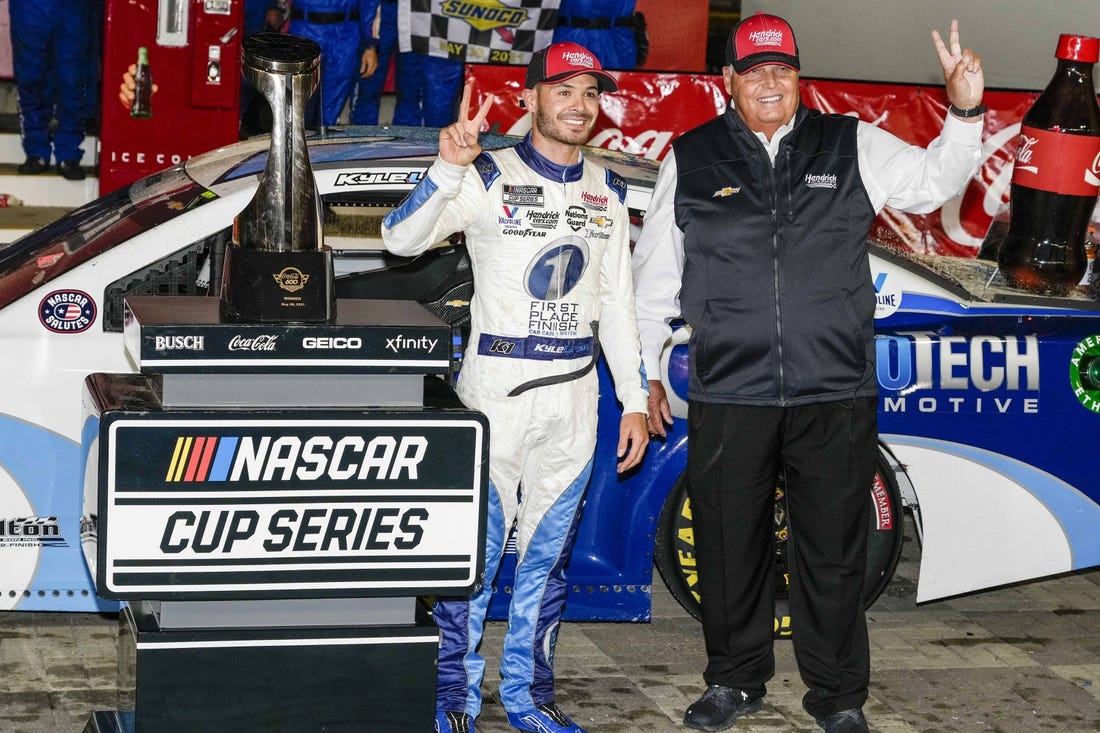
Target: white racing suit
[{"x": 550, "y": 254}]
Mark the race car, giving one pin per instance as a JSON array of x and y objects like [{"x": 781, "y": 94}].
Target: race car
[{"x": 988, "y": 407}]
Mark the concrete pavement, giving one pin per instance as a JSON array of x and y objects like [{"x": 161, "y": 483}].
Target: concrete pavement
[{"x": 1013, "y": 660}]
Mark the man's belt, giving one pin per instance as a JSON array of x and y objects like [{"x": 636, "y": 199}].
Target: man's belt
[
  {"x": 573, "y": 21},
  {"x": 534, "y": 347},
  {"x": 565, "y": 349},
  {"x": 319, "y": 18}
]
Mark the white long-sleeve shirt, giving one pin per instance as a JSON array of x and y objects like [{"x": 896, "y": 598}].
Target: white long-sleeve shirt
[{"x": 894, "y": 173}]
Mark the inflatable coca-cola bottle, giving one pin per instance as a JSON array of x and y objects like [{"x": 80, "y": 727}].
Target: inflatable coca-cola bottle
[{"x": 1056, "y": 177}]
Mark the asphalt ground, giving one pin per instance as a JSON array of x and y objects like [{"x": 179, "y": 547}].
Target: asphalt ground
[{"x": 1013, "y": 660}]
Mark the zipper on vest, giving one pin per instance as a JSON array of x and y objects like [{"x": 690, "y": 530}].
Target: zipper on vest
[{"x": 782, "y": 391}]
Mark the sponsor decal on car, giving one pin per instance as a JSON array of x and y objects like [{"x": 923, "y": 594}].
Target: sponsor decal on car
[
  {"x": 965, "y": 374},
  {"x": 887, "y": 296},
  {"x": 378, "y": 178},
  {"x": 67, "y": 311},
  {"x": 1084, "y": 373},
  {"x": 31, "y": 532}
]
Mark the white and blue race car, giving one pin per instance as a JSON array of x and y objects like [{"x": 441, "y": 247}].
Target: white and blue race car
[{"x": 988, "y": 410}]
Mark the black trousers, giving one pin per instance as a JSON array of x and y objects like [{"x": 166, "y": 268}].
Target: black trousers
[{"x": 828, "y": 451}]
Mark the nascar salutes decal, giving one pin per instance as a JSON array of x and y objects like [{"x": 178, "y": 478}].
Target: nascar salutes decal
[{"x": 67, "y": 311}]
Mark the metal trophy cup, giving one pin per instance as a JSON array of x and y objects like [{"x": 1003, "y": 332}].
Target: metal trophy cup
[{"x": 277, "y": 268}]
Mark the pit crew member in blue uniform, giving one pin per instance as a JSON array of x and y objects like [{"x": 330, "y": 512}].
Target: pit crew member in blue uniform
[
  {"x": 547, "y": 233},
  {"x": 608, "y": 28},
  {"x": 426, "y": 89},
  {"x": 368, "y": 93},
  {"x": 340, "y": 28},
  {"x": 50, "y": 45},
  {"x": 756, "y": 234}
]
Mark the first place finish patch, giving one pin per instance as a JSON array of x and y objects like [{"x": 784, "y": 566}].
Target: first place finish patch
[{"x": 67, "y": 311}]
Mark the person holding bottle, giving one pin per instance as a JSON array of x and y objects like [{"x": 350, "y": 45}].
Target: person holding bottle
[{"x": 757, "y": 236}]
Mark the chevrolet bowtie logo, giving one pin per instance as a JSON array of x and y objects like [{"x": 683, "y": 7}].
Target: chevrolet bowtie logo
[{"x": 727, "y": 191}]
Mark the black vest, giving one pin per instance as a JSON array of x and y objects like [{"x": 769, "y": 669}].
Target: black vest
[{"x": 777, "y": 285}]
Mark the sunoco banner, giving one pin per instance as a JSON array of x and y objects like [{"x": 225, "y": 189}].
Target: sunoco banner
[
  {"x": 291, "y": 507},
  {"x": 477, "y": 31}
]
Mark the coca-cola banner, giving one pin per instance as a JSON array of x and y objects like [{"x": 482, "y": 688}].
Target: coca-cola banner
[{"x": 649, "y": 110}]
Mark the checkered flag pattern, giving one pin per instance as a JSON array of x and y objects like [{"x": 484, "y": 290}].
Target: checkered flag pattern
[{"x": 477, "y": 31}]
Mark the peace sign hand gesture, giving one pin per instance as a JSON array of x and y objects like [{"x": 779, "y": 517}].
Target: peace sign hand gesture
[
  {"x": 962, "y": 70},
  {"x": 458, "y": 142}
]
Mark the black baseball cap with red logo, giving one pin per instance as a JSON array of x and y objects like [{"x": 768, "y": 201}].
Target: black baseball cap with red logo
[
  {"x": 761, "y": 39},
  {"x": 560, "y": 61}
]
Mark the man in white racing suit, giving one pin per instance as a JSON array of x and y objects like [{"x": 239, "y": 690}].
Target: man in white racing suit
[{"x": 547, "y": 233}]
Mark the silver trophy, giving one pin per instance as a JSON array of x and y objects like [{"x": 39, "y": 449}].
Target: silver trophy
[{"x": 277, "y": 268}]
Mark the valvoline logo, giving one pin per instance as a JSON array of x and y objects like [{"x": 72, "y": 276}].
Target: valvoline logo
[
  {"x": 199, "y": 459},
  {"x": 67, "y": 311}
]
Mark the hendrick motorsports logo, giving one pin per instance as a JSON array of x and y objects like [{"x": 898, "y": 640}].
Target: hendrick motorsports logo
[
  {"x": 1084, "y": 372},
  {"x": 31, "y": 532}
]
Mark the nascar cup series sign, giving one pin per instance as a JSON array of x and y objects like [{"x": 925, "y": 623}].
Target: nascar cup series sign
[{"x": 302, "y": 506}]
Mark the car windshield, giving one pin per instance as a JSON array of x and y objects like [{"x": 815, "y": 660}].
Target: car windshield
[
  {"x": 91, "y": 230},
  {"x": 56, "y": 248}
]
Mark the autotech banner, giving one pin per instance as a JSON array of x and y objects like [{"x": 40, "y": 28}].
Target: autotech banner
[{"x": 651, "y": 109}]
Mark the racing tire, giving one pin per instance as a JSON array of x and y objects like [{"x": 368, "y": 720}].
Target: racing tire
[{"x": 674, "y": 551}]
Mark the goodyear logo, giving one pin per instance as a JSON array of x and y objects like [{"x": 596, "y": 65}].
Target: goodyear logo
[
  {"x": 268, "y": 458},
  {"x": 485, "y": 15}
]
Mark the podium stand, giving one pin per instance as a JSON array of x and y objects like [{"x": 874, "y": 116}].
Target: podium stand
[{"x": 270, "y": 501}]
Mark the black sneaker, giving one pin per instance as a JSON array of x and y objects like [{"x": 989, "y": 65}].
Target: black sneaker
[
  {"x": 846, "y": 721},
  {"x": 32, "y": 166},
  {"x": 719, "y": 707},
  {"x": 70, "y": 170}
]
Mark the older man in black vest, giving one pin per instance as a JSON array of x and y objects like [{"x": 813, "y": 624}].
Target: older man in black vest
[{"x": 757, "y": 237}]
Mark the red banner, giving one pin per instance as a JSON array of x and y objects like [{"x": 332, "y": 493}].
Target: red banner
[{"x": 650, "y": 110}]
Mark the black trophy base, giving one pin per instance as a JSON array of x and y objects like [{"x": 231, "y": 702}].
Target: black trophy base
[
  {"x": 260, "y": 286},
  {"x": 258, "y": 680}
]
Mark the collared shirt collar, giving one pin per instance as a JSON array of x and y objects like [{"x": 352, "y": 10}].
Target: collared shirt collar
[
  {"x": 547, "y": 168},
  {"x": 771, "y": 146}
]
